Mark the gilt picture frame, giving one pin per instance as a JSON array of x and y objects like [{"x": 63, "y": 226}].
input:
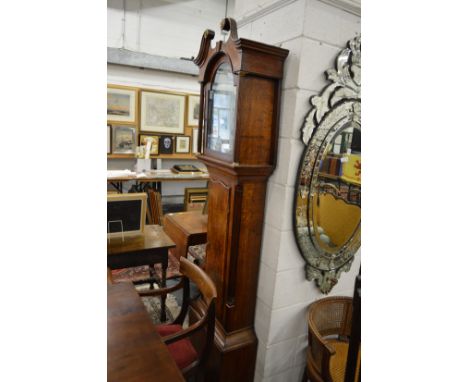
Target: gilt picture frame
[
  {"x": 162, "y": 112},
  {"x": 182, "y": 145},
  {"x": 195, "y": 198},
  {"x": 193, "y": 110},
  {"x": 109, "y": 139},
  {"x": 123, "y": 139},
  {"x": 154, "y": 147},
  {"x": 122, "y": 104}
]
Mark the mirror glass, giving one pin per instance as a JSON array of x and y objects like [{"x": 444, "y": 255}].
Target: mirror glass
[
  {"x": 327, "y": 219},
  {"x": 335, "y": 200},
  {"x": 222, "y": 107}
]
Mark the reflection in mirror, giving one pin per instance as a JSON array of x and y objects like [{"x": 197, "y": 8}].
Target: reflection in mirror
[
  {"x": 336, "y": 197},
  {"x": 222, "y": 111},
  {"x": 327, "y": 219}
]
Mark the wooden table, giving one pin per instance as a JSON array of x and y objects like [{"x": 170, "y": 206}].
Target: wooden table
[
  {"x": 149, "y": 248},
  {"x": 117, "y": 182},
  {"x": 135, "y": 351},
  {"x": 186, "y": 229}
]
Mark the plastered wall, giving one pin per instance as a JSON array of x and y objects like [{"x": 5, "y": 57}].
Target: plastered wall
[
  {"x": 162, "y": 27},
  {"x": 314, "y": 33}
]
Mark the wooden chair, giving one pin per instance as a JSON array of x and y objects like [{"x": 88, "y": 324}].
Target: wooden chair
[
  {"x": 329, "y": 321},
  {"x": 155, "y": 207},
  {"x": 182, "y": 342}
]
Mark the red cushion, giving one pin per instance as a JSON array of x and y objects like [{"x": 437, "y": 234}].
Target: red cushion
[{"x": 182, "y": 351}]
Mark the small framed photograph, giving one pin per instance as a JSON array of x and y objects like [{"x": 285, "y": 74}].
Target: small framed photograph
[
  {"x": 121, "y": 104},
  {"x": 193, "y": 110},
  {"x": 166, "y": 144},
  {"x": 109, "y": 140},
  {"x": 123, "y": 139},
  {"x": 162, "y": 112},
  {"x": 182, "y": 145},
  {"x": 154, "y": 146}
]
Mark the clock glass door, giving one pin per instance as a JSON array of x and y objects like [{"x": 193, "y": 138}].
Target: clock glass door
[{"x": 222, "y": 113}]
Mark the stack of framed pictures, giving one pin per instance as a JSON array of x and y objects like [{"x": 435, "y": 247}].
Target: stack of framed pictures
[
  {"x": 195, "y": 198},
  {"x": 136, "y": 115}
]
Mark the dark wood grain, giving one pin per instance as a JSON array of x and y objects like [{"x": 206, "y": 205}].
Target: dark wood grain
[
  {"x": 149, "y": 248},
  {"x": 153, "y": 237},
  {"x": 237, "y": 190},
  {"x": 135, "y": 351},
  {"x": 186, "y": 229}
]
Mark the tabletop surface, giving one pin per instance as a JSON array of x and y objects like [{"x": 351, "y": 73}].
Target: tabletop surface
[
  {"x": 192, "y": 222},
  {"x": 135, "y": 351},
  {"x": 149, "y": 179},
  {"x": 152, "y": 237}
]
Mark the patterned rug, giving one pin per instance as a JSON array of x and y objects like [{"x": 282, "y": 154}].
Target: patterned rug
[
  {"x": 141, "y": 273},
  {"x": 153, "y": 304}
]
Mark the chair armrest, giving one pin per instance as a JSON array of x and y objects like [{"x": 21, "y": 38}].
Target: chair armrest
[
  {"x": 314, "y": 333},
  {"x": 162, "y": 291},
  {"x": 321, "y": 352}
]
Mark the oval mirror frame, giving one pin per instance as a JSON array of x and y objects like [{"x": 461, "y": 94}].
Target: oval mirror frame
[{"x": 338, "y": 107}]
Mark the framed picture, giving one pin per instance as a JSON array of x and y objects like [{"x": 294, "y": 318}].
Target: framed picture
[
  {"x": 193, "y": 110},
  {"x": 166, "y": 145},
  {"x": 123, "y": 139},
  {"x": 121, "y": 104},
  {"x": 195, "y": 198},
  {"x": 195, "y": 140},
  {"x": 162, "y": 112},
  {"x": 154, "y": 147},
  {"x": 182, "y": 145},
  {"x": 126, "y": 214},
  {"x": 109, "y": 133}
]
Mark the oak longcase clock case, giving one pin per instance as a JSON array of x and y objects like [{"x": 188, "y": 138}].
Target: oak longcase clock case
[{"x": 240, "y": 96}]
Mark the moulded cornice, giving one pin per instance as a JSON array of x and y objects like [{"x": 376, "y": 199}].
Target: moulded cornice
[{"x": 352, "y": 6}]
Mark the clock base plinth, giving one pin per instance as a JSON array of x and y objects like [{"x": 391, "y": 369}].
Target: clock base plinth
[{"x": 233, "y": 356}]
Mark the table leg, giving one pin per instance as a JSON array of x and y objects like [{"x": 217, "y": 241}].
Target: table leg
[
  {"x": 164, "y": 265},
  {"x": 152, "y": 274}
]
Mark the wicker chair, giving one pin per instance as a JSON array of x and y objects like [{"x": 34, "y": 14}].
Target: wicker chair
[{"x": 329, "y": 321}]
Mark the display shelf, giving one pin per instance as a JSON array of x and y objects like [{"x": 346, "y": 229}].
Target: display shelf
[
  {"x": 120, "y": 156},
  {"x": 175, "y": 156},
  {"x": 162, "y": 156}
]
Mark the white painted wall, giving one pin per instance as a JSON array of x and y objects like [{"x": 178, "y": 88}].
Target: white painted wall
[
  {"x": 314, "y": 33},
  {"x": 171, "y": 28}
]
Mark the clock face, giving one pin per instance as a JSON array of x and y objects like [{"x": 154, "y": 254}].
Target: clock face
[{"x": 222, "y": 117}]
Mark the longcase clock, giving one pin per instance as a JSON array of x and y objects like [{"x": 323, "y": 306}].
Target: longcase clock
[{"x": 240, "y": 97}]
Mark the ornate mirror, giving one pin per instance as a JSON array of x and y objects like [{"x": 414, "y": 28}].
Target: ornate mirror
[{"x": 327, "y": 203}]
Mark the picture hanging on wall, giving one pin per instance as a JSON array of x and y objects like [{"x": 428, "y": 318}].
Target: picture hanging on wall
[
  {"x": 121, "y": 104},
  {"x": 154, "y": 146},
  {"x": 109, "y": 133},
  {"x": 162, "y": 112},
  {"x": 166, "y": 145},
  {"x": 123, "y": 139},
  {"x": 195, "y": 140},
  {"x": 182, "y": 145},
  {"x": 193, "y": 111}
]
